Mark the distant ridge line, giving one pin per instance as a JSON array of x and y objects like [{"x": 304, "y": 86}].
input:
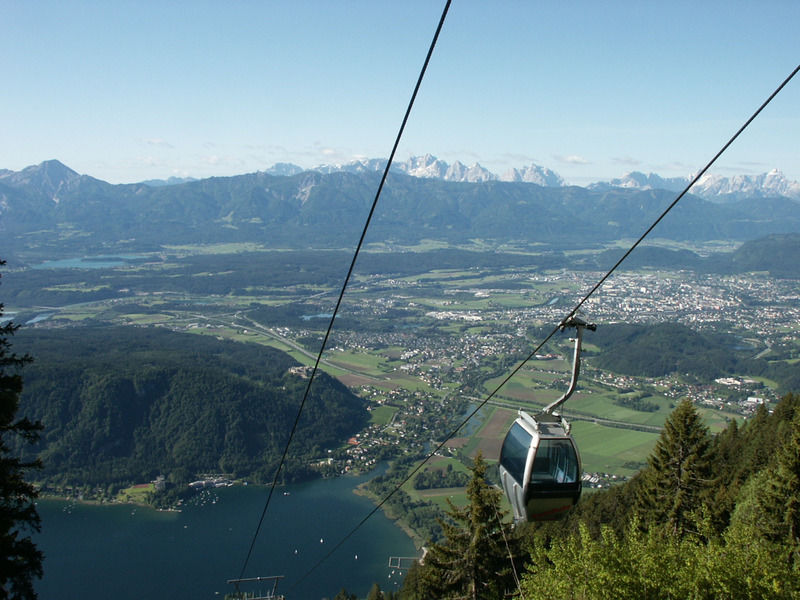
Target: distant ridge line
[{"x": 770, "y": 184}]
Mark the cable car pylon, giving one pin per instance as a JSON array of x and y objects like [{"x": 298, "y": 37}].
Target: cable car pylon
[
  {"x": 269, "y": 594},
  {"x": 540, "y": 466}
]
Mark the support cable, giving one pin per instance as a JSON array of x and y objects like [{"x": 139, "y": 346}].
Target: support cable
[
  {"x": 557, "y": 327},
  {"x": 686, "y": 189},
  {"x": 344, "y": 286},
  {"x": 510, "y": 554}
]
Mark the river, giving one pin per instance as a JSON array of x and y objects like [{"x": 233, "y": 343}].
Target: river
[{"x": 128, "y": 552}]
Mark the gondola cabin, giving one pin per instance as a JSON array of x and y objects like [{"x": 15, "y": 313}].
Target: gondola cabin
[{"x": 540, "y": 468}]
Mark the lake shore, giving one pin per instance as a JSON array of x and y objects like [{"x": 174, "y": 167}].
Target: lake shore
[
  {"x": 148, "y": 554},
  {"x": 398, "y": 520}
]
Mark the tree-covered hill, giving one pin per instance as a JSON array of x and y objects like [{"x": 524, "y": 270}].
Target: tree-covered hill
[
  {"x": 127, "y": 404},
  {"x": 778, "y": 254},
  {"x": 660, "y": 349},
  {"x": 663, "y": 348}
]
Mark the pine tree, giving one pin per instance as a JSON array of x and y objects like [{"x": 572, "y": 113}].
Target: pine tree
[
  {"x": 777, "y": 496},
  {"x": 678, "y": 472},
  {"x": 375, "y": 593},
  {"x": 472, "y": 561},
  {"x": 20, "y": 560}
]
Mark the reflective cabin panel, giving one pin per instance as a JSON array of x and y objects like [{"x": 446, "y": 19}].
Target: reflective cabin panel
[
  {"x": 555, "y": 462},
  {"x": 515, "y": 452}
]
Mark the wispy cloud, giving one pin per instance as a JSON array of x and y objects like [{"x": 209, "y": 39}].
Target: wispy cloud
[
  {"x": 627, "y": 161},
  {"x": 517, "y": 160},
  {"x": 158, "y": 142},
  {"x": 674, "y": 168},
  {"x": 747, "y": 167},
  {"x": 572, "y": 159}
]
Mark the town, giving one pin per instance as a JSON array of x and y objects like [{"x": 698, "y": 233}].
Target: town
[{"x": 422, "y": 378}]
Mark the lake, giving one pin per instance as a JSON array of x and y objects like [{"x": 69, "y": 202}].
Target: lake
[
  {"x": 88, "y": 262},
  {"x": 128, "y": 552}
]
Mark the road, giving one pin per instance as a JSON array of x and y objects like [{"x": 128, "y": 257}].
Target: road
[
  {"x": 232, "y": 321},
  {"x": 578, "y": 417}
]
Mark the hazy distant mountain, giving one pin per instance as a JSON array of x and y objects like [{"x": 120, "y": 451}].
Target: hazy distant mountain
[
  {"x": 284, "y": 169},
  {"x": 640, "y": 181},
  {"x": 430, "y": 167},
  {"x": 711, "y": 187},
  {"x": 474, "y": 174},
  {"x": 534, "y": 174},
  {"x": 426, "y": 167},
  {"x": 369, "y": 165},
  {"x": 773, "y": 183},
  {"x": 47, "y": 179},
  {"x": 49, "y": 209},
  {"x": 170, "y": 181}
]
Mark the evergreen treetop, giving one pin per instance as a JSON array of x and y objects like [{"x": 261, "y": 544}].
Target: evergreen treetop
[
  {"x": 473, "y": 560},
  {"x": 20, "y": 560}
]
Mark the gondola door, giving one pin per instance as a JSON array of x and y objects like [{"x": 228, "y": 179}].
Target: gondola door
[{"x": 515, "y": 466}]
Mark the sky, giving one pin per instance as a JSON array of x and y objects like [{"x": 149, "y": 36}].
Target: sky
[{"x": 130, "y": 91}]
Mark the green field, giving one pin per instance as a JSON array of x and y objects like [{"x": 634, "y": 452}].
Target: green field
[
  {"x": 603, "y": 405},
  {"x": 370, "y": 364},
  {"x": 439, "y": 496},
  {"x": 717, "y": 420},
  {"x": 609, "y": 449},
  {"x": 382, "y": 415},
  {"x": 136, "y": 494},
  {"x": 148, "y": 319}
]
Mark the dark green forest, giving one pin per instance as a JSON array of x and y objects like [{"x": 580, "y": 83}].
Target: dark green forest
[
  {"x": 122, "y": 405},
  {"x": 708, "y": 517}
]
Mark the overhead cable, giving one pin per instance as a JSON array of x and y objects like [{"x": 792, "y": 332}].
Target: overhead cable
[
  {"x": 559, "y": 326},
  {"x": 344, "y": 286}
]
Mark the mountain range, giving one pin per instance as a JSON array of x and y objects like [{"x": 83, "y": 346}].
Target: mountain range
[
  {"x": 430, "y": 167},
  {"x": 49, "y": 209},
  {"x": 771, "y": 184},
  {"x": 709, "y": 186}
]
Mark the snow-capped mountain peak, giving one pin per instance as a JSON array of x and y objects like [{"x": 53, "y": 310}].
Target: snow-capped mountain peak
[
  {"x": 534, "y": 174},
  {"x": 430, "y": 167},
  {"x": 772, "y": 183},
  {"x": 711, "y": 186}
]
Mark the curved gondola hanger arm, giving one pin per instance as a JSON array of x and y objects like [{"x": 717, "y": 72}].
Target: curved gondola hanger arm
[{"x": 579, "y": 324}]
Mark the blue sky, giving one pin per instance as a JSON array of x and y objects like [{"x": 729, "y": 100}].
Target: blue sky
[{"x": 127, "y": 91}]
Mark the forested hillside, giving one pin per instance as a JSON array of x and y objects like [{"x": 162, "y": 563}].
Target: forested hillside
[
  {"x": 125, "y": 405},
  {"x": 709, "y": 517},
  {"x": 664, "y": 348}
]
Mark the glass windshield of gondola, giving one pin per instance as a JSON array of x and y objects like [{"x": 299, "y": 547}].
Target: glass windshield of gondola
[
  {"x": 555, "y": 462},
  {"x": 514, "y": 454},
  {"x": 554, "y": 485},
  {"x": 539, "y": 469}
]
